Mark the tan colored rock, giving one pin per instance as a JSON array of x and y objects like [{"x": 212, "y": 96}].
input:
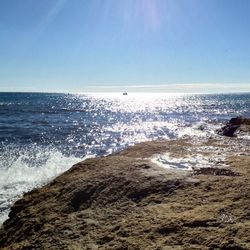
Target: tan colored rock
[{"x": 124, "y": 201}]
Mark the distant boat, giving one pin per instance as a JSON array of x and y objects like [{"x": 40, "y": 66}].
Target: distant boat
[{"x": 125, "y": 93}]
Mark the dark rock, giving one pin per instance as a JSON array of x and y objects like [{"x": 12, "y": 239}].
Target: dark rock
[
  {"x": 215, "y": 171},
  {"x": 239, "y": 121},
  {"x": 228, "y": 130},
  {"x": 233, "y": 125}
]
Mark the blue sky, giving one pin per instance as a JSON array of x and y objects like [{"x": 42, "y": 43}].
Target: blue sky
[{"x": 135, "y": 45}]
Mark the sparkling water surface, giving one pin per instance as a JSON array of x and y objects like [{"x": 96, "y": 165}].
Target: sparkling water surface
[{"x": 44, "y": 134}]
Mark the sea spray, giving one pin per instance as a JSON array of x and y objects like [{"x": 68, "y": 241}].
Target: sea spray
[{"x": 20, "y": 173}]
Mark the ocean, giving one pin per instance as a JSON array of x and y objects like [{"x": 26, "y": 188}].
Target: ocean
[{"x": 44, "y": 134}]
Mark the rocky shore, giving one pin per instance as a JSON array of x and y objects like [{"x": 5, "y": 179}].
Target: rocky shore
[{"x": 133, "y": 200}]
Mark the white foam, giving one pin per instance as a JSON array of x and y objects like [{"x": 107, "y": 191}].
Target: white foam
[
  {"x": 21, "y": 176},
  {"x": 187, "y": 162},
  {"x": 199, "y": 129}
]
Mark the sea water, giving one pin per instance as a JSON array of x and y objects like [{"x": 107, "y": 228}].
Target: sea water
[{"x": 44, "y": 134}]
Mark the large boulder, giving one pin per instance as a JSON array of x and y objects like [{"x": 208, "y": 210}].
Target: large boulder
[{"x": 125, "y": 201}]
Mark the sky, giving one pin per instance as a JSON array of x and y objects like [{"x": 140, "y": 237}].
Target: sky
[{"x": 125, "y": 45}]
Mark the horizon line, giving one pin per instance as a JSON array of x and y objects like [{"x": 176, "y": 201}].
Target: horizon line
[{"x": 120, "y": 92}]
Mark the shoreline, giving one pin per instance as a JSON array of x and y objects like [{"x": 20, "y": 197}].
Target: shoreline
[{"x": 126, "y": 200}]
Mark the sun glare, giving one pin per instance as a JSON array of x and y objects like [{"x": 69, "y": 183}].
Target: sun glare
[{"x": 142, "y": 11}]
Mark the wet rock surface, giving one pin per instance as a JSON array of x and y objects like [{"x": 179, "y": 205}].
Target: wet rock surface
[
  {"x": 124, "y": 201},
  {"x": 215, "y": 171}
]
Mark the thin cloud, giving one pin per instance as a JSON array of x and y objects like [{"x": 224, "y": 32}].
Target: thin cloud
[{"x": 177, "y": 87}]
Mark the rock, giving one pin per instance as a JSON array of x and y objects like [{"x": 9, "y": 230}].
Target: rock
[
  {"x": 124, "y": 201},
  {"x": 233, "y": 125},
  {"x": 228, "y": 130},
  {"x": 239, "y": 121},
  {"x": 215, "y": 171}
]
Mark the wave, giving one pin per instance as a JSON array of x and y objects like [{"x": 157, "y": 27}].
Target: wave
[{"x": 19, "y": 172}]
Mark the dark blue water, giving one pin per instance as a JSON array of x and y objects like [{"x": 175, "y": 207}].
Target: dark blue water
[
  {"x": 80, "y": 124},
  {"x": 43, "y": 134}
]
